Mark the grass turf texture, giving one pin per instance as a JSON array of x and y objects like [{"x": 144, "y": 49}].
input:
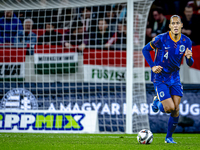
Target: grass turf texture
[{"x": 29, "y": 141}]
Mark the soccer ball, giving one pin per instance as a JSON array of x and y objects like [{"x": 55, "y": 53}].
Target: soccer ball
[{"x": 145, "y": 136}]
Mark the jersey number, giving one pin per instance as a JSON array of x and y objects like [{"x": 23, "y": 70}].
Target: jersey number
[{"x": 166, "y": 55}]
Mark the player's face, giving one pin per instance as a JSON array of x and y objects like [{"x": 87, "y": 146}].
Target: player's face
[{"x": 175, "y": 25}]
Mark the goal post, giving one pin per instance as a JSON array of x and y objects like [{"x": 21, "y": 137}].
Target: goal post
[
  {"x": 129, "y": 66},
  {"x": 133, "y": 8},
  {"x": 91, "y": 59}
]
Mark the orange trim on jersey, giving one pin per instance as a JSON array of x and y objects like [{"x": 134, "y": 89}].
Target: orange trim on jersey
[
  {"x": 151, "y": 46},
  {"x": 156, "y": 54},
  {"x": 172, "y": 38},
  {"x": 157, "y": 94}
]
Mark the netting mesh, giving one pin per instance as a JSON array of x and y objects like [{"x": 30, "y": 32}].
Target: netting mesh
[{"x": 71, "y": 55}]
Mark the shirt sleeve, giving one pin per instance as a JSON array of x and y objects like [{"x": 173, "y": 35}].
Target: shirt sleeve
[
  {"x": 191, "y": 60},
  {"x": 155, "y": 43}
]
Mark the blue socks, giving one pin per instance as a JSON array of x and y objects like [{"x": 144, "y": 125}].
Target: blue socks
[
  {"x": 172, "y": 123},
  {"x": 160, "y": 106}
]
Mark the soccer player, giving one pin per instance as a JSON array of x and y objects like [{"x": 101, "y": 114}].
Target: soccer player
[{"x": 170, "y": 48}]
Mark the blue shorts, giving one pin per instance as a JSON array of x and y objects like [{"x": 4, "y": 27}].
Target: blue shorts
[{"x": 166, "y": 90}]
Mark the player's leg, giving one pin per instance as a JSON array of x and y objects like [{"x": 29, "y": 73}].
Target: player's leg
[
  {"x": 163, "y": 100},
  {"x": 165, "y": 106},
  {"x": 177, "y": 100},
  {"x": 173, "y": 120},
  {"x": 168, "y": 105},
  {"x": 177, "y": 92}
]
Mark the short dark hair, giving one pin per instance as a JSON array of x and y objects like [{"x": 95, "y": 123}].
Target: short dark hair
[
  {"x": 160, "y": 10},
  {"x": 88, "y": 8},
  {"x": 188, "y": 6},
  {"x": 175, "y": 16}
]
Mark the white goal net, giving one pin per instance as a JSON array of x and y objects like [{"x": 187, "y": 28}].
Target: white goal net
[{"x": 70, "y": 55}]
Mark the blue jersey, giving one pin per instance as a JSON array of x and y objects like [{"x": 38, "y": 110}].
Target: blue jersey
[{"x": 168, "y": 54}]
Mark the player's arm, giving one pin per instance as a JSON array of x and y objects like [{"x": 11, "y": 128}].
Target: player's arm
[
  {"x": 189, "y": 58},
  {"x": 146, "y": 52},
  {"x": 155, "y": 43},
  {"x": 188, "y": 54}
]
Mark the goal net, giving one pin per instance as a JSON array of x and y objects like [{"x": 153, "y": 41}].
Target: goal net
[{"x": 71, "y": 55}]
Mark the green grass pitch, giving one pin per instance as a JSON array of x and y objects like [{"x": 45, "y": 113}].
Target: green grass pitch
[{"x": 36, "y": 141}]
